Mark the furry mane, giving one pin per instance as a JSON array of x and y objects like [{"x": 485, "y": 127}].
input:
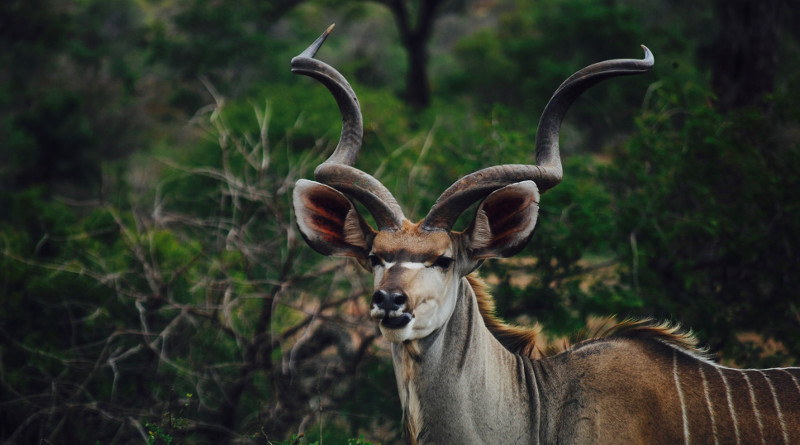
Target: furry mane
[
  {"x": 665, "y": 332},
  {"x": 521, "y": 340},
  {"x": 529, "y": 342}
]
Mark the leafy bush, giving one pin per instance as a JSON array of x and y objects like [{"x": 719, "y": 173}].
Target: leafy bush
[
  {"x": 173, "y": 302},
  {"x": 192, "y": 315},
  {"x": 708, "y": 202}
]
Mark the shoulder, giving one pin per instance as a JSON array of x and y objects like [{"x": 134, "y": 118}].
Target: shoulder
[
  {"x": 646, "y": 331},
  {"x": 630, "y": 348}
]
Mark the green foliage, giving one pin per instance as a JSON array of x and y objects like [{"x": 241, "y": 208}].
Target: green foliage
[
  {"x": 167, "y": 297},
  {"x": 709, "y": 200},
  {"x": 71, "y": 102},
  {"x": 534, "y": 49},
  {"x": 177, "y": 295},
  {"x": 299, "y": 439},
  {"x": 214, "y": 37},
  {"x": 43, "y": 140}
]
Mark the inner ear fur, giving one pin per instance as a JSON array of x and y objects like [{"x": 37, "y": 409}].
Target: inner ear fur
[
  {"x": 504, "y": 222},
  {"x": 329, "y": 222}
]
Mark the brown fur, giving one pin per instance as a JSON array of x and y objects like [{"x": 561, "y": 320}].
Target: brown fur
[
  {"x": 521, "y": 340},
  {"x": 529, "y": 341},
  {"x": 645, "y": 329},
  {"x": 415, "y": 243}
]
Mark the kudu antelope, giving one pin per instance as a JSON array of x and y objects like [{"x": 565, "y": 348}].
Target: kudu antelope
[{"x": 466, "y": 378}]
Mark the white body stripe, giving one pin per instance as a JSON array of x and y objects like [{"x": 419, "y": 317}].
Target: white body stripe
[
  {"x": 730, "y": 405},
  {"x": 777, "y": 408},
  {"x": 755, "y": 407},
  {"x": 709, "y": 404},
  {"x": 680, "y": 396},
  {"x": 794, "y": 379}
]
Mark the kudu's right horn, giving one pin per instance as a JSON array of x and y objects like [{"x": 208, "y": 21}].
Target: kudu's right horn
[{"x": 338, "y": 171}]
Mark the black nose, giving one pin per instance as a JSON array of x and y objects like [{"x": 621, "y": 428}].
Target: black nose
[{"x": 388, "y": 301}]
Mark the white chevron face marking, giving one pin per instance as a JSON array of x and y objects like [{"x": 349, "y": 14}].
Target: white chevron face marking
[
  {"x": 406, "y": 265},
  {"x": 680, "y": 396}
]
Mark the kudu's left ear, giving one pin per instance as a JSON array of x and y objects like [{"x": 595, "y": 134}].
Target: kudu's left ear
[
  {"x": 504, "y": 222},
  {"x": 329, "y": 222}
]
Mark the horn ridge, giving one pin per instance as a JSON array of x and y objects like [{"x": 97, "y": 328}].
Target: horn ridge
[
  {"x": 547, "y": 148},
  {"x": 349, "y": 144},
  {"x": 547, "y": 172},
  {"x": 367, "y": 190},
  {"x": 338, "y": 171}
]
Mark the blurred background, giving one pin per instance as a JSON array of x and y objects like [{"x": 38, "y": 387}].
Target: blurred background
[{"x": 153, "y": 288}]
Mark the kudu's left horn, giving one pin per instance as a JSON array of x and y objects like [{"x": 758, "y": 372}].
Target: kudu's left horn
[{"x": 547, "y": 172}]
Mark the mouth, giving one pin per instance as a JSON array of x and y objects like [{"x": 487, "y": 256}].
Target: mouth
[{"x": 396, "y": 322}]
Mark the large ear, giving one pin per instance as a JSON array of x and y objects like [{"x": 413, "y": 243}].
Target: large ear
[
  {"x": 329, "y": 222},
  {"x": 504, "y": 222}
]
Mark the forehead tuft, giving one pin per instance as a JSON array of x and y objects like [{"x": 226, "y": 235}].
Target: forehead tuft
[{"x": 412, "y": 242}]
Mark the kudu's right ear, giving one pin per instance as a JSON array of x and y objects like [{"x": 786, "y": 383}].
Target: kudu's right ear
[
  {"x": 329, "y": 222},
  {"x": 504, "y": 222}
]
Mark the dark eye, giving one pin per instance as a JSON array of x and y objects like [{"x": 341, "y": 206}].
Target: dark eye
[
  {"x": 375, "y": 260},
  {"x": 443, "y": 262}
]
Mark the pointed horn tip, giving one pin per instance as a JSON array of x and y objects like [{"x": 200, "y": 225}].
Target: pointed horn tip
[
  {"x": 648, "y": 56},
  {"x": 312, "y": 49}
]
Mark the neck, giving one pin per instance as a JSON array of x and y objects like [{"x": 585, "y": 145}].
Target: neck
[
  {"x": 640, "y": 384},
  {"x": 460, "y": 385}
]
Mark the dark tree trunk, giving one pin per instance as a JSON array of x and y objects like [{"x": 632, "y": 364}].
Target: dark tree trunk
[
  {"x": 746, "y": 51},
  {"x": 417, "y": 88},
  {"x": 415, "y": 39}
]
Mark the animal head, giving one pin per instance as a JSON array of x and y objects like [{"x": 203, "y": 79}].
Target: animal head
[{"x": 418, "y": 267}]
